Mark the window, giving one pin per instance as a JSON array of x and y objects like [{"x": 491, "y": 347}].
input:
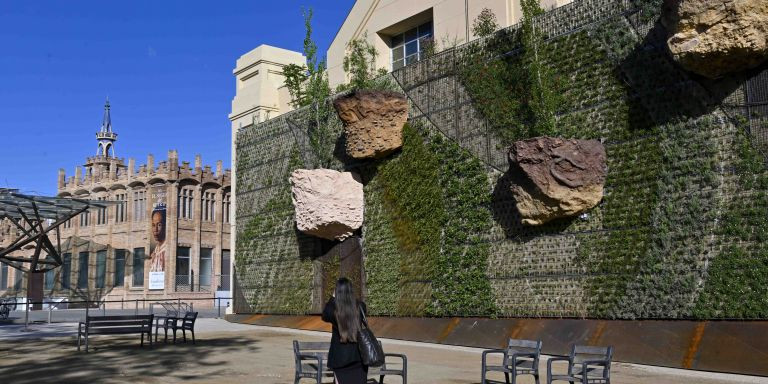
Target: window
[
  {"x": 206, "y": 267},
  {"x": 17, "y": 279},
  {"x": 182, "y": 268},
  {"x": 101, "y": 268},
  {"x": 120, "y": 207},
  {"x": 139, "y": 205},
  {"x": 119, "y": 280},
  {"x": 224, "y": 270},
  {"x": 226, "y": 205},
  {"x": 66, "y": 270},
  {"x": 138, "y": 267},
  {"x": 68, "y": 224},
  {"x": 3, "y": 276},
  {"x": 49, "y": 279},
  {"x": 85, "y": 218},
  {"x": 408, "y": 47},
  {"x": 101, "y": 213},
  {"x": 186, "y": 203},
  {"x": 209, "y": 206},
  {"x": 82, "y": 271}
]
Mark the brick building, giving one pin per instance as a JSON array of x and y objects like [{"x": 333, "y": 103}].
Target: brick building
[{"x": 168, "y": 237}]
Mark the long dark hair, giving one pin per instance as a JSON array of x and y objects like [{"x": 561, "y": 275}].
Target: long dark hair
[{"x": 347, "y": 311}]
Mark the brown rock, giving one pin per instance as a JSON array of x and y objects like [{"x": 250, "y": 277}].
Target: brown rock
[
  {"x": 553, "y": 177},
  {"x": 373, "y": 122},
  {"x": 328, "y": 203},
  {"x": 716, "y": 37}
]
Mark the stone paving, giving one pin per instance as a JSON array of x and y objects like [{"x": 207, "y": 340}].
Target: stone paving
[{"x": 238, "y": 353}]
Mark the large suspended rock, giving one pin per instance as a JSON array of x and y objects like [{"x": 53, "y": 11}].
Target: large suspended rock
[
  {"x": 328, "y": 203},
  {"x": 716, "y": 37},
  {"x": 373, "y": 122},
  {"x": 553, "y": 177}
]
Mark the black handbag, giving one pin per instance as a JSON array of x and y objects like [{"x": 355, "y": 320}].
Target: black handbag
[{"x": 370, "y": 348}]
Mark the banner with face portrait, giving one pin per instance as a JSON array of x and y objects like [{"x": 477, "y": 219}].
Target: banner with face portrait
[{"x": 158, "y": 232}]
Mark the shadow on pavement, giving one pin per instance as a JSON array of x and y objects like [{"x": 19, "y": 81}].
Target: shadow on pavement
[{"x": 116, "y": 359}]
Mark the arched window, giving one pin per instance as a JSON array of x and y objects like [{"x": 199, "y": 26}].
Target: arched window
[{"x": 186, "y": 203}]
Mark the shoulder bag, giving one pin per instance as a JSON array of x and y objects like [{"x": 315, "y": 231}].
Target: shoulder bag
[{"x": 370, "y": 349}]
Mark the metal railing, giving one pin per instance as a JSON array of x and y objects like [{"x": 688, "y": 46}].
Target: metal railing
[{"x": 43, "y": 310}]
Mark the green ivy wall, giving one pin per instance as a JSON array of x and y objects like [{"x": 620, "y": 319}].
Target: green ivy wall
[{"x": 680, "y": 233}]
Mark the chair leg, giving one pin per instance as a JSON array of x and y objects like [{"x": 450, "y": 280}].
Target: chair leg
[
  {"x": 142, "y": 339},
  {"x": 536, "y": 378},
  {"x": 506, "y": 377},
  {"x": 184, "y": 333},
  {"x": 193, "y": 335},
  {"x": 381, "y": 379},
  {"x": 174, "y": 335}
]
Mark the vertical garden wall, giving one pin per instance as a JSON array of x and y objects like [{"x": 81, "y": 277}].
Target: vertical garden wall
[{"x": 680, "y": 233}]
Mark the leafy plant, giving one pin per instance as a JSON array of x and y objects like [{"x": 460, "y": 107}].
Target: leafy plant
[{"x": 485, "y": 23}]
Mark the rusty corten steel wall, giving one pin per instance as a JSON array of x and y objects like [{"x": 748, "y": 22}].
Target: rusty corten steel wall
[{"x": 722, "y": 346}]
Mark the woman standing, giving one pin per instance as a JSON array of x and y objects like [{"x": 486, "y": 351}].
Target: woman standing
[{"x": 343, "y": 312}]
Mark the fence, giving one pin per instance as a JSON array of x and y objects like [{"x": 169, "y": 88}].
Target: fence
[{"x": 61, "y": 310}]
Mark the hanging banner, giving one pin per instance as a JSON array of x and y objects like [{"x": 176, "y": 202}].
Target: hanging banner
[{"x": 157, "y": 246}]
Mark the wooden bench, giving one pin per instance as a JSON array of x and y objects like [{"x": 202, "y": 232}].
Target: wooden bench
[
  {"x": 311, "y": 362},
  {"x": 115, "y": 325}
]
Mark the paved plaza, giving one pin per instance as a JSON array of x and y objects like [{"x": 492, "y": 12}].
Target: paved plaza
[{"x": 237, "y": 353}]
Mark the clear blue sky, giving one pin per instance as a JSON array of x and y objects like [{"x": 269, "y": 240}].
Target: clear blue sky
[{"x": 165, "y": 65}]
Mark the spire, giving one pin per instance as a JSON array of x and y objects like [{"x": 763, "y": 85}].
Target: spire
[
  {"x": 105, "y": 137},
  {"x": 106, "y": 123}
]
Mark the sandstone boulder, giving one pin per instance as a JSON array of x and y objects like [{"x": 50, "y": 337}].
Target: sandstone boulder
[
  {"x": 328, "y": 203},
  {"x": 716, "y": 37},
  {"x": 553, "y": 177},
  {"x": 373, "y": 122}
]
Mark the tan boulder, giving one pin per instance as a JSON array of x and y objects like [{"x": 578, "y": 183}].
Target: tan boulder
[
  {"x": 373, "y": 122},
  {"x": 716, "y": 37},
  {"x": 554, "y": 177},
  {"x": 328, "y": 203}
]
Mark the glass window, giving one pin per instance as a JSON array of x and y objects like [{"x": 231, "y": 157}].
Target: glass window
[
  {"x": 425, "y": 29},
  {"x": 206, "y": 267},
  {"x": 411, "y": 48},
  {"x": 119, "y": 267},
  {"x": 3, "y": 276},
  {"x": 185, "y": 203},
  {"x": 82, "y": 271},
  {"x": 120, "y": 207},
  {"x": 66, "y": 270},
  {"x": 49, "y": 279},
  {"x": 101, "y": 268},
  {"x": 408, "y": 47},
  {"x": 182, "y": 268},
  {"x": 226, "y": 205},
  {"x": 409, "y": 35},
  {"x": 17, "y": 276},
  {"x": 139, "y": 205},
  {"x": 398, "y": 53},
  {"x": 138, "y": 267},
  {"x": 224, "y": 270}
]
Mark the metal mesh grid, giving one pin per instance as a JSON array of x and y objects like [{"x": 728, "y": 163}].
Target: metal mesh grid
[{"x": 631, "y": 98}]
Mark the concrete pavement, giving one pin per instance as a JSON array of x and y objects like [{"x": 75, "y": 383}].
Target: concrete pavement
[{"x": 238, "y": 353}]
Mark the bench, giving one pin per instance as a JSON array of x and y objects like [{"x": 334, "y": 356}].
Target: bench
[
  {"x": 311, "y": 362},
  {"x": 114, "y": 325}
]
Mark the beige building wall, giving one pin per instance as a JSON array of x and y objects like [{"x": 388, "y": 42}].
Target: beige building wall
[
  {"x": 379, "y": 20},
  {"x": 259, "y": 95}
]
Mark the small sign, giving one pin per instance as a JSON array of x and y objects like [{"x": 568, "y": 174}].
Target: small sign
[{"x": 157, "y": 280}]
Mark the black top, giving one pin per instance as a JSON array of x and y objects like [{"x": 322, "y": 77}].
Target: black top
[{"x": 341, "y": 354}]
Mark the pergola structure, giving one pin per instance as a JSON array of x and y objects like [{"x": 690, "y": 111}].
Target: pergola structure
[{"x": 36, "y": 218}]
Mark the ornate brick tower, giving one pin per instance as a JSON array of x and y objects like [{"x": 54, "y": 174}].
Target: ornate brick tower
[{"x": 105, "y": 164}]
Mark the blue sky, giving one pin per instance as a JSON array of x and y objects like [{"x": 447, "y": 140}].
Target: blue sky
[{"x": 165, "y": 65}]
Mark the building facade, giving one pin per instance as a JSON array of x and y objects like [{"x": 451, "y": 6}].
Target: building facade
[
  {"x": 168, "y": 237},
  {"x": 399, "y": 29}
]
